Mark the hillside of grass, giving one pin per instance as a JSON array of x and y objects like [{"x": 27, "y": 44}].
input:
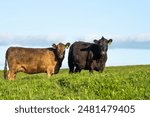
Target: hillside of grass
[{"x": 115, "y": 83}]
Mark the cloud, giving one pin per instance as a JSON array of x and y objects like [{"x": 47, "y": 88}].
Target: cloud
[
  {"x": 30, "y": 40},
  {"x": 142, "y": 37},
  {"x": 139, "y": 41},
  {"x": 5, "y": 39}
]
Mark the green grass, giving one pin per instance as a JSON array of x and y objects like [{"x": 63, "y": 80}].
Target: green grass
[{"x": 115, "y": 83}]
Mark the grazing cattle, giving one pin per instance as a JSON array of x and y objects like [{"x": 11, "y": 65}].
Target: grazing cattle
[
  {"x": 88, "y": 56},
  {"x": 34, "y": 60}
]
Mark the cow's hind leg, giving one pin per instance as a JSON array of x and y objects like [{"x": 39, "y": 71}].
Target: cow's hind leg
[
  {"x": 71, "y": 67},
  {"x": 11, "y": 75}
]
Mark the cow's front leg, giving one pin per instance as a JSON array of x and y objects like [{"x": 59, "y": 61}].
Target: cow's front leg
[
  {"x": 50, "y": 71},
  {"x": 91, "y": 68},
  {"x": 49, "y": 74}
]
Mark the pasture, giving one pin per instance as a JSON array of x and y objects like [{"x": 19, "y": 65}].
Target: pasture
[{"x": 115, "y": 83}]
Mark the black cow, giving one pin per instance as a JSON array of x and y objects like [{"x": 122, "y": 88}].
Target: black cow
[{"x": 88, "y": 56}]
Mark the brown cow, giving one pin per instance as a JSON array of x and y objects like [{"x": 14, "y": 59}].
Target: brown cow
[{"x": 34, "y": 60}]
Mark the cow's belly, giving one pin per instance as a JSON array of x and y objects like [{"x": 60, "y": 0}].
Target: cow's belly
[
  {"x": 36, "y": 69},
  {"x": 32, "y": 68}
]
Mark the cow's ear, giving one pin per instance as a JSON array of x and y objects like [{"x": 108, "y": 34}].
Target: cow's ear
[
  {"x": 67, "y": 45},
  {"x": 102, "y": 37},
  {"x": 96, "y": 41},
  {"x": 110, "y": 41},
  {"x": 54, "y": 46}
]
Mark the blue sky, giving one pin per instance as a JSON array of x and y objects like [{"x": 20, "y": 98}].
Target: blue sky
[{"x": 40, "y": 23}]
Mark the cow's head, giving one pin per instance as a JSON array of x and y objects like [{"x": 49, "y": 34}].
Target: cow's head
[
  {"x": 60, "y": 49},
  {"x": 103, "y": 43}
]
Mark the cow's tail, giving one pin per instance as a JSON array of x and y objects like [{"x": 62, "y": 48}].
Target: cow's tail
[{"x": 5, "y": 69}]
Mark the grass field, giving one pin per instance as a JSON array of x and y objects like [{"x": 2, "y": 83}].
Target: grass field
[{"x": 115, "y": 83}]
